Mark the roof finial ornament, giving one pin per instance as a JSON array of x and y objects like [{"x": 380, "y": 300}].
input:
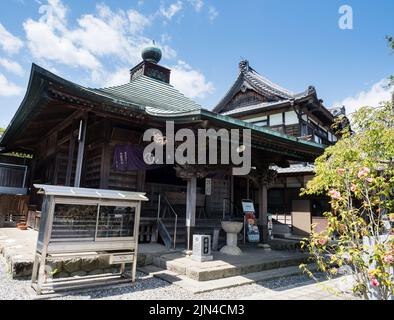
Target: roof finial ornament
[
  {"x": 311, "y": 89},
  {"x": 243, "y": 64},
  {"x": 152, "y": 53}
]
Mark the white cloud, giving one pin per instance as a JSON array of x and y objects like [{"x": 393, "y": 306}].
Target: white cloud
[
  {"x": 190, "y": 82},
  {"x": 12, "y": 66},
  {"x": 137, "y": 21},
  {"x": 104, "y": 33},
  {"x": 7, "y": 88},
  {"x": 171, "y": 11},
  {"x": 10, "y": 43},
  {"x": 107, "y": 43},
  {"x": 119, "y": 77},
  {"x": 48, "y": 38},
  {"x": 44, "y": 43},
  {"x": 165, "y": 37},
  {"x": 379, "y": 92},
  {"x": 213, "y": 13},
  {"x": 197, "y": 4}
]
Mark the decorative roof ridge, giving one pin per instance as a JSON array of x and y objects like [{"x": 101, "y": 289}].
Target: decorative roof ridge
[
  {"x": 219, "y": 105},
  {"x": 144, "y": 89},
  {"x": 135, "y": 79},
  {"x": 267, "y": 84},
  {"x": 337, "y": 111},
  {"x": 144, "y": 77},
  {"x": 256, "y": 106},
  {"x": 264, "y": 83}
]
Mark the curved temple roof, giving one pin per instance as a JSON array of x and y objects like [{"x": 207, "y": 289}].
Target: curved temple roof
[
  {"x": 146, "y": 96},
  {"x": 248, "y": 78},
  {"x": 158, "y": 98}
]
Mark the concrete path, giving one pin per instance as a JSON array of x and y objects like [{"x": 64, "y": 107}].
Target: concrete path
[{"x": 336, "y": 289}]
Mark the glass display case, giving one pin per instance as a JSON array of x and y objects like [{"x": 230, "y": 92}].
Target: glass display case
[{"x": 80, "y": 221}]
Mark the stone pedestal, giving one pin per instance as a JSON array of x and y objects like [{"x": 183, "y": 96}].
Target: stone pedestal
[
  {"x": 232, "y": 229},
  {"x": 202, "y": 248}
]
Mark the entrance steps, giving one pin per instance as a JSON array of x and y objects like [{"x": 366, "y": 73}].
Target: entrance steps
[
  {"x": 196, "y": 287},
  {"x": 253, "y": 259}
]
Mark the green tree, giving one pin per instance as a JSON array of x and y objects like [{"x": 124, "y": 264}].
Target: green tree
[
  {"x": 390, "y": 40},
  {"x": 357, "y": 173}
]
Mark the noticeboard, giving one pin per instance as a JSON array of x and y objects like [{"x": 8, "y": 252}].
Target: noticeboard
[{"x": 247, "y": 206}]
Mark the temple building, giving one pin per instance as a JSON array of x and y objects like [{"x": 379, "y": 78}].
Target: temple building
[
  {"x": 93, "y": 138},
  {"x": 258, "y": 101}
]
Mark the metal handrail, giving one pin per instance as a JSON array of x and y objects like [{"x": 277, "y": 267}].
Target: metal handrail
[{"x": 173, "y": 211}]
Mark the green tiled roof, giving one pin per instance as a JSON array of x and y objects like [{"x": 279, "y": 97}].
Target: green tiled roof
[
  {"x": 143, "y": 94},
  {"x": 156, "y": 97}
]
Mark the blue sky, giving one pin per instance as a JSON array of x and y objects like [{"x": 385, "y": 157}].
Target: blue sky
[{"x": 295, "y": 43}]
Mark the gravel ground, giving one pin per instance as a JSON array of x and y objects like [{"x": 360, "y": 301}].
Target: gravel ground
[
  {"x": 11, "y": 289},
  {"x": 156, "y": 289},
  {"x": 149, "y": 288}
]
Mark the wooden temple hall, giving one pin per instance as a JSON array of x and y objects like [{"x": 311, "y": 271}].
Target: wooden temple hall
[{"x": 79, "y": 136}]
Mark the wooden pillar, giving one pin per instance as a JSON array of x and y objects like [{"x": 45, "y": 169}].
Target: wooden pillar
[
  {"x": 231, "y": 204},
  {"x": 263, "y": 212},
  {"x": 81, "y": 151},
  {"x": 247, "y": 188},
  {"x": 191, "y": 201}
]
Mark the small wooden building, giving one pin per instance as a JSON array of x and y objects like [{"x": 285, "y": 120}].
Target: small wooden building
[
  {"x": 258, "y": 101},
  {"x": 74, "y": 134}
]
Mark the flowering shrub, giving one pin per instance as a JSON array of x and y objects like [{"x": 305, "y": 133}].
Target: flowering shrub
[{"x": 357, "y": 175}]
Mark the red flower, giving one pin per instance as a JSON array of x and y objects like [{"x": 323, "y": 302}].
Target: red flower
[
  {"x": 375, "y": 283},
  {"x": 363, "y": 172},
  {"x": 334, "y": 194},
  {"x": 340, "y": 171},
  {"x": 322, "y": 241},
  {"x": 388, "y": 258}
]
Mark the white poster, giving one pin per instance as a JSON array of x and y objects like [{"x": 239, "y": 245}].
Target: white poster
[
  {"x": 208, "y": 186},
  {"x": 247, "y": 206}
]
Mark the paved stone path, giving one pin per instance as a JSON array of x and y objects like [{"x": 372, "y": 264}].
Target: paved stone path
[{"x": 336, "y": 289}]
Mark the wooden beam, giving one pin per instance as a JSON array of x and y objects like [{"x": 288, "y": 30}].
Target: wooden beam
[
  {"x": 66, "y": 122},
  {"x": 263, "y": 212}
]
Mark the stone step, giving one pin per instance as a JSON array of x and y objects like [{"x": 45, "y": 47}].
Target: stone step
[
  {"x": 220, "y": 268},
  {"x": 195, "y": 286},
  {"x": 284, "y": 244}
]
